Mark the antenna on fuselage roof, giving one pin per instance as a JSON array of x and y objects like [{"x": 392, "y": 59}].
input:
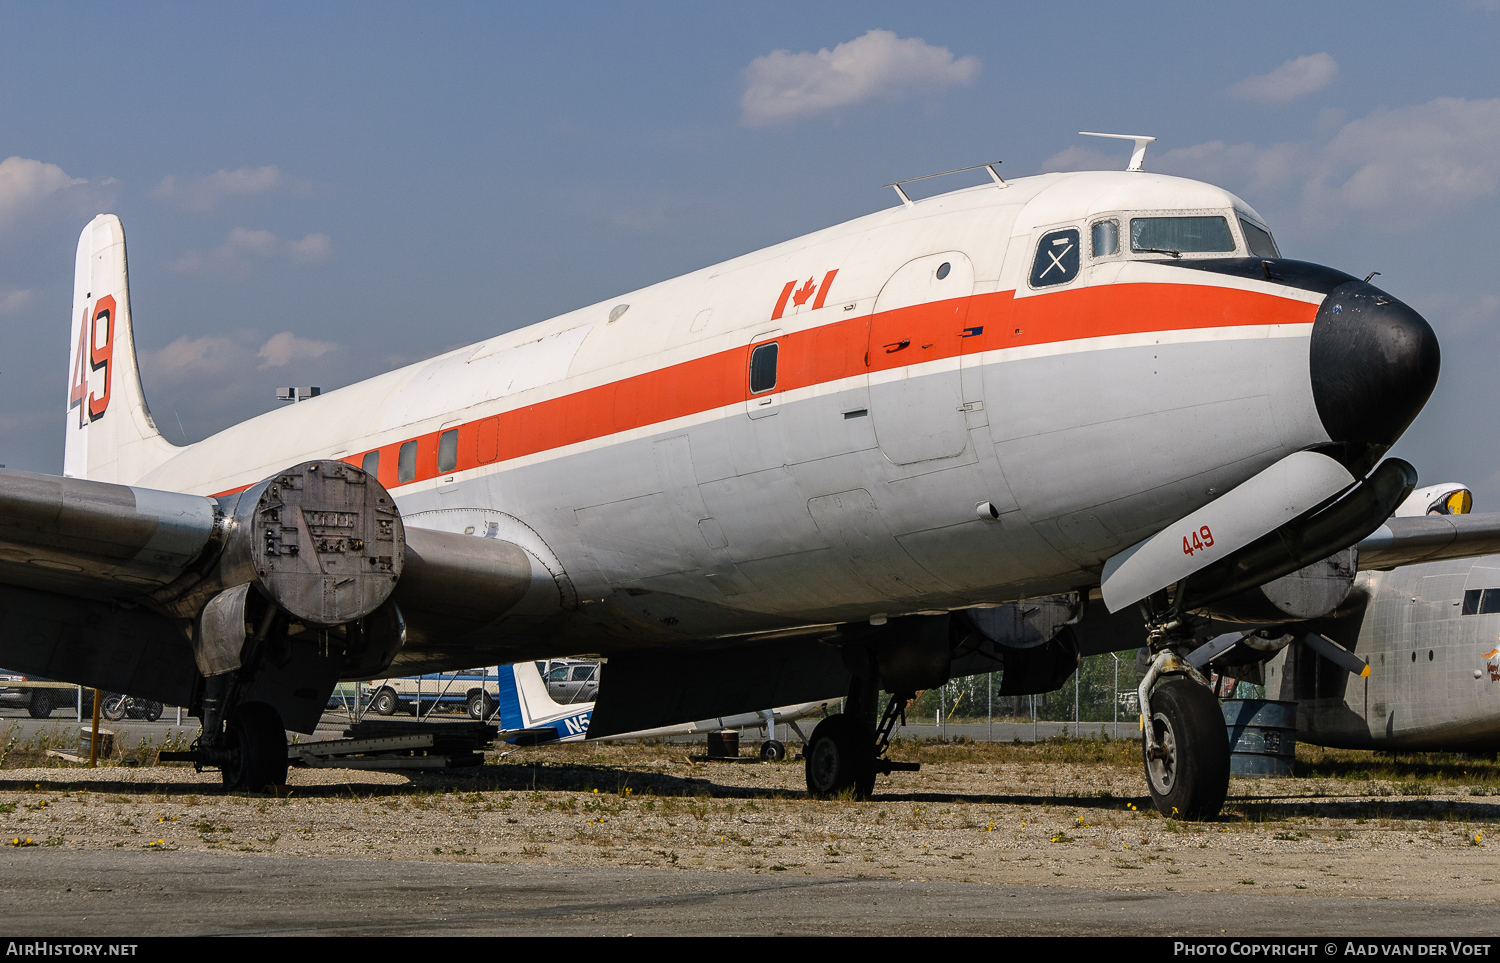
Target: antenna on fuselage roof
[
  {"x": 1138, "y": 157},
  {"x": 994, "y": 174}
]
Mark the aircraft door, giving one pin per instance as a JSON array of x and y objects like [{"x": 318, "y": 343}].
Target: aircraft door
[
  {"x": 765, "y": 375},
  {"x": 913, "y": 356}
]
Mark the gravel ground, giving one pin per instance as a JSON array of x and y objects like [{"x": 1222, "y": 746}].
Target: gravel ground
[{"x": 975, "y": 813}]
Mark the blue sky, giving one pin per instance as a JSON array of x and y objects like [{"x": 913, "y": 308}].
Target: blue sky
[{"x": 316, "y": 193}]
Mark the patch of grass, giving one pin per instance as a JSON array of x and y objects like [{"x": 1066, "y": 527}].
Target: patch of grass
[{"x": 1431, "y": 769}]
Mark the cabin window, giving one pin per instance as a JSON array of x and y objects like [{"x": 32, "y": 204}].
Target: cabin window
[
  {"x": 1482, "y": 602},
  {"x": 763, "y": 368},
  {"x": 1180, "y": 235},
  {"x": 1056, "y": 259},
  {"x": 1105, "y": 238},
  {"x": 406, "y": 463},
  {"x": 1259, "y": 241},
  {"x": 448, "y": 450},
  {"x": 371, "y": 464}
]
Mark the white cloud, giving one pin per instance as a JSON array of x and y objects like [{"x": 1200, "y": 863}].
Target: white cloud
[
  {"x": 1393, "y": 168},
  {"x": 1293, "y": 79},
  {"x": 189, "y": 358},
  {"x": 14, "y": 302},
  {"x": 234, "y": 258},
  {"x": 284, "y": 348},
  {"x": 25, "y": 183},
  {"x": 193, "y": 359},
  {"x": 1413, "y": 160},
  {"x": 1081, "y": 159},
  {"x": 207, "y": 191},
  {"x": 782, "y": 86}
]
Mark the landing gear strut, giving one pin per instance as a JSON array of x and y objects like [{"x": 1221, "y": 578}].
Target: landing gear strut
[
  {"x": 249, "y": 747},
  {"x": 846, "y": 751}
]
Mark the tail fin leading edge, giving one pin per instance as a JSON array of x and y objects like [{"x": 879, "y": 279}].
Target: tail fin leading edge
[{"x": 110, "y": 433}]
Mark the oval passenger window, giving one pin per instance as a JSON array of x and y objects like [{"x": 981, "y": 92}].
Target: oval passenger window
[{"x": 943, "y": 270}]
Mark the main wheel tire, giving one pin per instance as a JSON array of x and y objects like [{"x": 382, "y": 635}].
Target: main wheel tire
[
  {"x": 1189, "y": 774},
  {"x": 256, "y": 739},
  {"x": 481, "y": 706},
  {"x": 40, "y": 705},
  {"x": 385, "y": 702},
  {"x": 114, "y": 707},
  {"x": 772, "y": 751},
  {"x": 840, "y": 757}
]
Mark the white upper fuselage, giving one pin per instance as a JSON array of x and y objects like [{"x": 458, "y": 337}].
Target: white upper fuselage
[{"x": 918, "y": 372}]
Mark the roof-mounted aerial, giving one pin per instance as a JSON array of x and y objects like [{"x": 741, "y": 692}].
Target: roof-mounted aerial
[
  {"x": 999, "y": 181},
  {"x": 1138, "y": 157}
]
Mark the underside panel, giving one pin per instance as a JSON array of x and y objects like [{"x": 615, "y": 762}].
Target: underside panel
[
  {"x": 88, "y": 643},
  {"x": 647, "y": 690}
]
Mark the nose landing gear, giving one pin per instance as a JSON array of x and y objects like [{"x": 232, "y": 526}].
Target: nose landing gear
[
  {"x": 1187, "y": 756},
  {"x": 1184, "y": 745}
]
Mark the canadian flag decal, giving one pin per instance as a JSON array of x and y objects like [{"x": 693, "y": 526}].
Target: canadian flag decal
[{"x": 798, "y": 293}]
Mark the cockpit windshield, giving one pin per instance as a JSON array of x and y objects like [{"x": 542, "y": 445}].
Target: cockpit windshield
[
  {"x": 1180, "y": 235},
  {"x": 1260, "y": 241}
]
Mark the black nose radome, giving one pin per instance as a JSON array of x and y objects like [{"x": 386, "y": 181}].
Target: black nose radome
[{"x": 1374, "y": 362}]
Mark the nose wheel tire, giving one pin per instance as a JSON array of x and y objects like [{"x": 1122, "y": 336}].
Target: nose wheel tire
[
  {"x": 840, "y": 758},
  {"x": 257, "y": 743},
  {"x": 1188, "y": 771}
]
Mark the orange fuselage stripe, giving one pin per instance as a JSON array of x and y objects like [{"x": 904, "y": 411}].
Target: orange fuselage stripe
[{"x": 838, "y": 350}]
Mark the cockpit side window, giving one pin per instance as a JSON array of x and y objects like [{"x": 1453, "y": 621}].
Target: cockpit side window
[
  {"x": 1176, "y": 236},
  {"x": 1104, "y": 238},
  {"x": 1056, "y": 259},
  {"x": 1260, "y": 242}
]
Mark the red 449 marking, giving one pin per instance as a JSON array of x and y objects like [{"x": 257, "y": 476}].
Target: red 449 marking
[{"x": 1198, "y": 541}]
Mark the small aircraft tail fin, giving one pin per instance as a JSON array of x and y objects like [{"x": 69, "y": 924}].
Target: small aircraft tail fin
[
  {"x": 110, "y": 433},
  {"x": 524, "y": 703}
]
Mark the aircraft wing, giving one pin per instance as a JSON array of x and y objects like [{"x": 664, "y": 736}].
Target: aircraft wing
[
  {"x": 1429, "y": 538},
  {"x": 323, "y": 541}
]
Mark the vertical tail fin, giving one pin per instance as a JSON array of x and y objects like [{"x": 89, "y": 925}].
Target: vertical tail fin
[
  {"x": 524, "y": 703},
  {"x": 110, "y": 434}
]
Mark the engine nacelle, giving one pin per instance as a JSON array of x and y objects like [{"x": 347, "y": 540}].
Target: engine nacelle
[
  {"x": 1311, "y": 592},
  {"x": 323, "y": 541}
]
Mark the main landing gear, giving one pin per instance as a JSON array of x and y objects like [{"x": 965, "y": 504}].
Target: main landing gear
[
  {"x": 847, "y": 751},
  {"x": 256, "y": 746},
  {"x": 1185, "y": 746},
  {"x": 245, "y": 740}
]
